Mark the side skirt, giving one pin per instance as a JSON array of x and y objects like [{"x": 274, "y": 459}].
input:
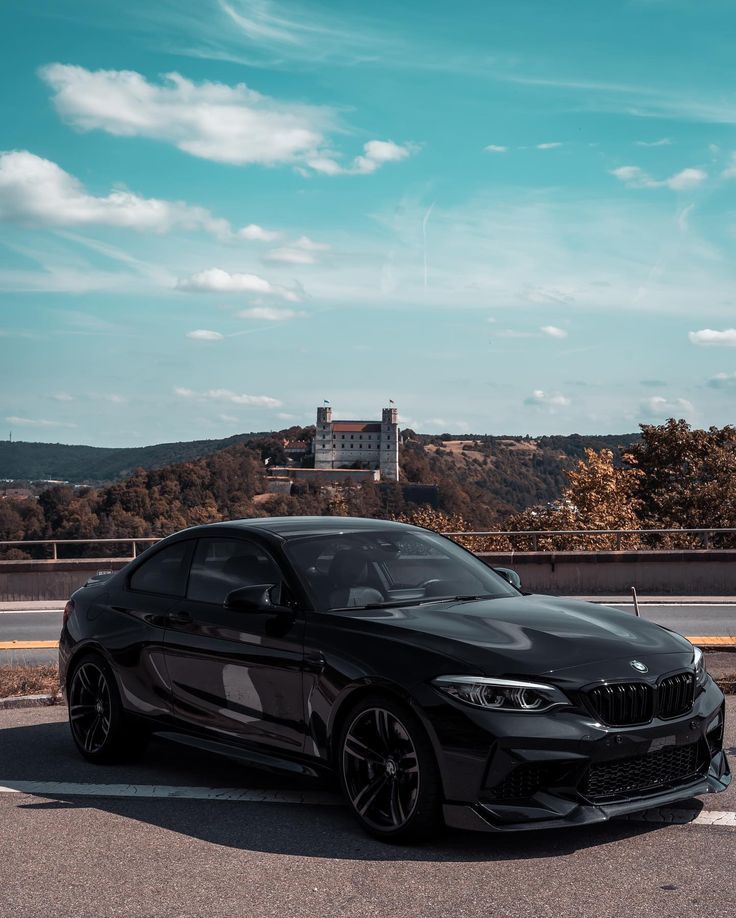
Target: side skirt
[{"x": 255, "y": 758}]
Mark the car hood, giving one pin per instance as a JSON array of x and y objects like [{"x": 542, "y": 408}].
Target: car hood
[{"x": 530, "y": 634}]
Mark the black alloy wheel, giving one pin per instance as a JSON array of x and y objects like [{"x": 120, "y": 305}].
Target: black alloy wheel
[
  {"x": 388, "y": 772},
  {"x": 97, "y": 720},
  {"x": 90, "y": 707}
]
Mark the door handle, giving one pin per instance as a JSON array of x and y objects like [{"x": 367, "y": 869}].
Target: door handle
[{"x": 179, "y": 617}]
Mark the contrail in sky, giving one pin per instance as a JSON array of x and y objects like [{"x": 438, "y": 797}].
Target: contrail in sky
[{"x": 424, "y": 236}]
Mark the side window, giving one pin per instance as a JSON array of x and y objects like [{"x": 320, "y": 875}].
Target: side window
[
  {"x": 223, "y": 565},
  {"x": 165, "y": 573}
]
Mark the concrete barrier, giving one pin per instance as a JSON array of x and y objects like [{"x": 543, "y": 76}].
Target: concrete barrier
[
  {"x": 566, "y": 573},
  {"x": 30, "y": 581},
  {"x": 601, "y": 573}
]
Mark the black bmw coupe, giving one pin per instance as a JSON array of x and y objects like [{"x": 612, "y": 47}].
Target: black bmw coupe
[{"x": 388, "y": 655}]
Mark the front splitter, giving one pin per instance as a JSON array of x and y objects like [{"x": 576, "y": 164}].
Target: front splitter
[{"x": 546, "y": 811}]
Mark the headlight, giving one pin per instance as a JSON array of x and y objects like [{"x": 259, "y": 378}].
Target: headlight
[
  {"x": 699, "y": 664},
  {"x": 501, "y": 694}
]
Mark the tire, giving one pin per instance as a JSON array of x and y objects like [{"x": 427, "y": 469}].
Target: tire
[
  {"x": 388, "y": 771},
  {"x": 100, "y": 728}
]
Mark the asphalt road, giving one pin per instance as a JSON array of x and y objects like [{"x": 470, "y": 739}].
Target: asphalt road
[
  {"x": 687, "y": 619},
  {"x": 90, "y": 854}
]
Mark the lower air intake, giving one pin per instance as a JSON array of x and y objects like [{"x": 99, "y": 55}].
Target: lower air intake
[{"x": 643, "y": 773}]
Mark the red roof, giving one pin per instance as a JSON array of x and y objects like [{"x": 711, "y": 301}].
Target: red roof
[{"x": 356, "y": 427}]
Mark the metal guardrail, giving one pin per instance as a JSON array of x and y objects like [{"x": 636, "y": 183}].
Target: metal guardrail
[
  {"x": 705, "y": 537},
  {"x": 23, "y": 543}
]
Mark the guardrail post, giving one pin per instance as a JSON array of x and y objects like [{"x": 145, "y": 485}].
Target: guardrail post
[
  {"x": 53, "y": 549},
  {"x": 706, "y": 539},
  {"x": 618, "y": 540},
  {"x": 535, "y": 542},
  {"x": 135, "y": 548}
]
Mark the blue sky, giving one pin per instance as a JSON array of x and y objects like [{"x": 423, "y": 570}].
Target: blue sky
[{"x": 509, "y": 217}]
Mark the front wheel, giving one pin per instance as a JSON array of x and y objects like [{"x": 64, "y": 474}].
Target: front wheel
[
  {"x": 99, "y": 726},
  {"x": 388, "y": 772}
]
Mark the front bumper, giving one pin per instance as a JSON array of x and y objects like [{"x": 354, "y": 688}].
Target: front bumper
[{"x": 508, "y": 772}]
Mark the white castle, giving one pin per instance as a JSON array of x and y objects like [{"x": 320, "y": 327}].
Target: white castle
[{"x": 374, "y": 444}]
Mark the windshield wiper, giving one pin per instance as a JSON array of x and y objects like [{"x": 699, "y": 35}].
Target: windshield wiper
[
  {"x": 470, "y": 597},
  {"x": 389, "y": 604}
]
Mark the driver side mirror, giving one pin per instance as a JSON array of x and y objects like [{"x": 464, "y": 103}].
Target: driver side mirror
[
  {"x": 254, "y": 598},
  {"x": 509, "y": 576}
]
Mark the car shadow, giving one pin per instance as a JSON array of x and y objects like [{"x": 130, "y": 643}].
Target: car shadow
[{"x": 45, "y": 753}]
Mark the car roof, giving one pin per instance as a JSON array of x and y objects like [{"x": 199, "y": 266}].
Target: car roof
[{"x": 286, "y": 526}]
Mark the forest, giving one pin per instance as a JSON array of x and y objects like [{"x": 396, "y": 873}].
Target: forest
[{"x": 669, "y": 476}]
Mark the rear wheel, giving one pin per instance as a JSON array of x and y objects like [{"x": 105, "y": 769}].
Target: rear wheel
[
  {"x": 100, "y": 728},
  {"x": 388, "y": 771}
]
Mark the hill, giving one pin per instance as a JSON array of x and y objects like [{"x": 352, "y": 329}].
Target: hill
[{"x": 98, "y": 464}]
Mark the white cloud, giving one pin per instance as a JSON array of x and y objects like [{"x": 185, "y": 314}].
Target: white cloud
[
  {"x": 232, "y": 124},
  {"x": 257, "y": 233},
  {"x": 62, "y": 397},
  {"x": 36, "y": 422},
  {"x": 204, "y": 334},
  {"x": 635, "y": 177},
  {"x": 289, "y": 256},
  {"x": 495, "y": 148},
  {"x": 227, "y": 395},
  {"x": 549, "y": 146},
  {"x": 375, "y": 154},
  {"x": 709, "y": 337},
  {"x": 214, "y": 121},
  {"x": 264, "y": 401},
  {"x": 658, "y": 407},
  {"x": 215, "y": 280},
  {"x": 722, "y": 381},
  {"x": 269, "y": 314},
  {"x": 553, "y": 331},
  {"x": 551, "y": 401},
  {"x": 662, "y": 142},
  {"x": 378, "y": 152},
  {"x": 688, "y": 178},
  {"x": 302, "y": 252},
  {"x": 37, "y": 191},
  {"x": 227, "y": 418},
  {"x": 116, "y": 399},
  {"x": 730, "y": 170}
]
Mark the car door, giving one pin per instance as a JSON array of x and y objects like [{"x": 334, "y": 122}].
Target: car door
[
  {"x": 133, "y": 619},
  {"x": 236, "y": 673}
]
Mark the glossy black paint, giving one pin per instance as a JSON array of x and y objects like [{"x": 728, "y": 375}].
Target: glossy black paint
[{"x": 273, "y": 687}]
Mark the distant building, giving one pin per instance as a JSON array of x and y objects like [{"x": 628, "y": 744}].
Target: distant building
[
  {"x": 295, "y": 449},
  {"x": 322, "y": 476},
  {"x": 17, "y": 494},
  {"x": 373, "y": 444}
]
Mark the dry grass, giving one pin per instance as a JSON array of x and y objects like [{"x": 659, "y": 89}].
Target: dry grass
[{"x": 29, "y": 680}]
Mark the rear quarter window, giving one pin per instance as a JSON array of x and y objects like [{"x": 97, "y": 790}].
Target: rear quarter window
[{"x": 165, "y": 573}]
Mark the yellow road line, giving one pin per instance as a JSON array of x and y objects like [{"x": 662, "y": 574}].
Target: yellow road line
[
  {"x": 709, "y": 640},
  {"x": 28, "y": 645}
]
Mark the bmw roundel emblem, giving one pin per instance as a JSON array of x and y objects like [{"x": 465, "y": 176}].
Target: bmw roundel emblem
[{"x": 639, "y": 666}]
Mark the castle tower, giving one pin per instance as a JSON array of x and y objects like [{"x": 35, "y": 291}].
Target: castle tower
[
  {"x": 389, "y": 462},
  {"x": 323, "y": 441}
]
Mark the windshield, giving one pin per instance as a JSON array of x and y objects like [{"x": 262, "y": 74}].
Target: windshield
[{"x": 391, "y": 567}]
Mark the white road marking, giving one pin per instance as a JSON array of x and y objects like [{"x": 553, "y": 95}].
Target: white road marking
[
  {"x": 663, "y": 815},
  {"x": 162, "y": 791},
  {"x": 681, "y": 816}
]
